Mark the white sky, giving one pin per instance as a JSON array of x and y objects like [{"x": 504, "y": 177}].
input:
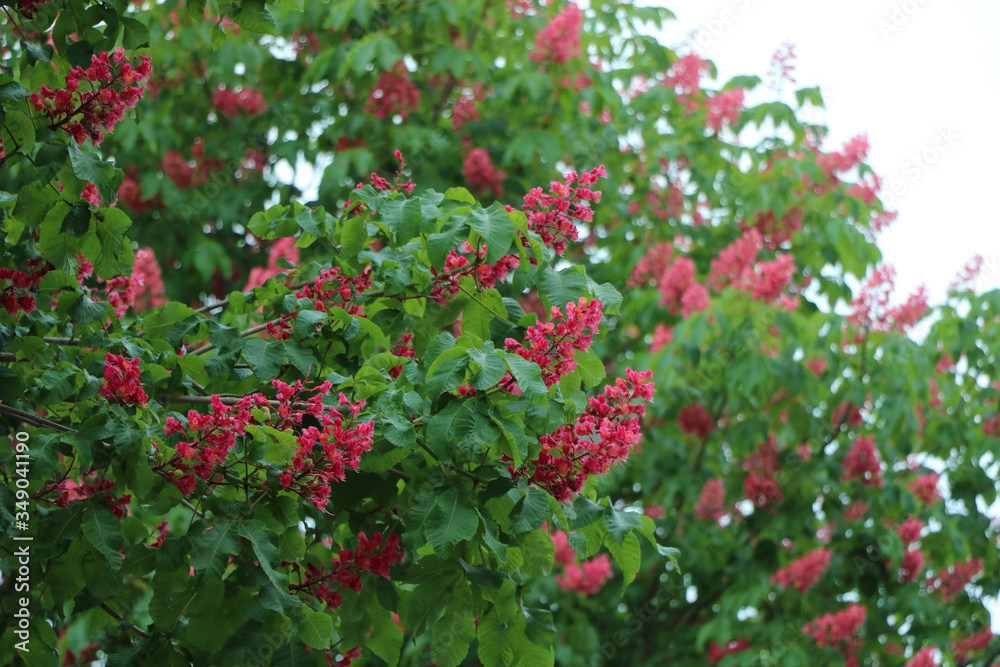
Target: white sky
[{"x": 905, "y": 72}]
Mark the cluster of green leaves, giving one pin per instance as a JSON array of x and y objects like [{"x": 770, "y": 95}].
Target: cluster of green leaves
[{"x": 476, "y": 549}]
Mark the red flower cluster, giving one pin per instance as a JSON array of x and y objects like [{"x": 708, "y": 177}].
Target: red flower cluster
[
  {"x": 402, "y": 348},
  {"x": 121, "y": 380},
  {"x": 856, "y": 510},
  {"x": 115, "y": 85},
  {"x": 696, "y": 420},
  {"x": 863, "y": 461},
  {"x": 925, "y": 488},
  {"x": 189, "y": 173},
  {"x": 147, "y": 280},
  {"x": 588, "y": 577},
  {"x": 952, "y": 581},
  {"x": 130, "y": 194},
  {"x": 838, "y": 630},
  {"x": 553, "y": 344},
  {"x": 712, "y": 501},
  {"x": 330, "y": 289},
  {"x": 663, "y": 335},
  {"x": 716, "y": 652},
  {"x": 160, "y": 533},
  {"x": 775, "y": 231},
  {"x": 604, "y": 433},
  {"x": 208, "y": 439},
  {"x": 29, "y": 8},
  {"x": 909, "y": 530},
  {"x": 783, "y": 63},
  {"x": 923, "y": 658},
  {"x": 393, "y": 93},
  {"x": 560, "y": 39},
  {"x": 231, "y": 103},
  {"x": 481, "y": 174},
  {"x": 324, "y": 454},
  {"x": 760, "y": 487},
  {"x": 70, "y": 491},
  {"x": 871, "y": 311},
  {"x": 803, "y": 572},
  {"x": 551, "y": 215},
  {"x": 13, "y": 295},
  {"x": 977, "y": 642},
  {"x": 346, "y": 569},
  {"x": 456, "y": 266},
  {"x": 724, "y": 107},
  {"x": 684, "y": 78},
  {"x": 913, "y": 565}
]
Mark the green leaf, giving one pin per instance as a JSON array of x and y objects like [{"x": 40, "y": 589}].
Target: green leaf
[
  {"x": 158, "y": 321},
  {"x": 104, "y": 530},
  {"x": 539, "y": 553},
  {"x": 18, "y": 133},
  {"x": 316, "y": 629},
  {"x": 89, "y": 167},
  {"x": 480, "y": 311},
  {"x": 211, "y": 547},
  {"x": 447, "y": 372},
  {"x": 590, "y": 367},
  {"x": 482, "y": 575},
  {"x": 77, "y": 221},
  {"x": 453, "y": 632},
  {"x": 254, "y": 16},
  {"x": 560, "y": 287},
  {"x": 459, "y": 194},
  {"x": 528, "y": 375},
  {"x": 402, "y": 218},
  {"x": 265, "y": 357},
  {"x": 451, "y": 521},
  {"x": 488, "y": 366},
  {"x": 628, "y": 555},
  {"x": 353, "y": 235},
  {"x": 136, "y": 34},
  {"x": 108, "y": 249},
  {"x": 619, "y": 523},
  {"x": 493, "y": 650},
  {"x": 494, "y": 225},
  {"x": 34, "y": 201},
  {"x": 531, "y": 511}
]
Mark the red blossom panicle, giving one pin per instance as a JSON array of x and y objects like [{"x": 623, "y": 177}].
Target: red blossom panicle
[
  {"x": 968, "y": 278},
  {"x": 28, "y": 8},
  {"x": 925, "y": 488},
  {"x": 552, "y": 215},
  {"x": 94, "y": 99},
  {"x": 695, "y": 420},
  {"x": 91, "y": 195},
  {"x": 736, "y": 261},
  {"x": 839, "y": 630},
  {"x": 346, "y": 569},
  {"x": 817, "y": 366},
  {"x": 232, "y": 103},
  {"x": 16, "y": 285},
  {"x": 159, "y": 535},
  {"x": 330, "y": 289},
  {"x": 323, "y": 454},
  {"x": 603, "y": 434},
  {"x": 924, "y": 658},
  {"x": 870, "y": 310},
  {"x": 563, "y": 551},
  {"x": 281, "y": 249},
  {"x": 676, "y": 279},
  {"x": 588, "y": 577},
  {"x": 775, "y": 231},
  {"x": 402, "y": 348},
  {"x": 122, "y": 382},
  {"x": 952, "y": 581},
  {"x": 70, "y": 491},
  {"x": 553, "y": 344},
  {"x": 913, "y": 565},
  {"x": 147, "y": 280},
  {"x": 560, "y": 39},
  {"x": 909, "y": 530},
  {"x": 716, "y": 652},
  {"x": 803, "y": 572},
  {"x": 863, "y": 461},
  {"x": 206, "y": 440},
  {"x": 783, "y": 64},
  {"x": 463, "y": 112},
  {"x": 965, "y": 647},
  {"x": 724, "y": 108},
  {"x": 760, "y": 486},
  {"x": 393, "y": 93},
  {"x": 663, "y": 335},
  {"x": 856, "y": 510},
  {"x": 712, "y": 501},
  {"x": 480, "y": 173},
  {"x": 456, "y": 266}
]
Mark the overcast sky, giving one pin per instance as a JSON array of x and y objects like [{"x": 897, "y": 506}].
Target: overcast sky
[{"x": 920, "y": 77}]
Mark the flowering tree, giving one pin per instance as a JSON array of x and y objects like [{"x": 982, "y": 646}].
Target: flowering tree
[{"x": 348, "y": 316}]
